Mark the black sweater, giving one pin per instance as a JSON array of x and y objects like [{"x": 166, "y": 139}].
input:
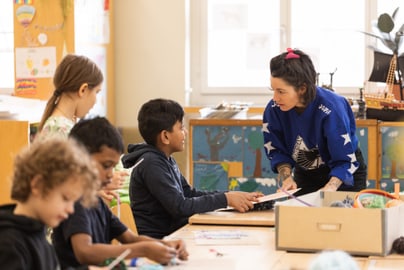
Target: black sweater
[
  {"x": 161, "y": 198},
  {"x": 23, "y": 243}
]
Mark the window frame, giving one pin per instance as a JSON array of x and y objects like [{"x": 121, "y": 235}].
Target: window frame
[{"x": 201, "y": 94}]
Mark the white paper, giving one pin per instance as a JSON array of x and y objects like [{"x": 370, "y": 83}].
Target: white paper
[{"x": 35, "y": 62}]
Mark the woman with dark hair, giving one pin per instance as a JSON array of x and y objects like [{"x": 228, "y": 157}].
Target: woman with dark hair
[{"x": 309, "y": 131}]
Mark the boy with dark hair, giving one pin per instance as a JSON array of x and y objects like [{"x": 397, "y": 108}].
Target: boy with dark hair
[
  {"x": 161, "y": 198},
  {"x": 85, "y": 238}
]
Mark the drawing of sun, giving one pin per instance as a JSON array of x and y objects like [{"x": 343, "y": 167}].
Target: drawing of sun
[{"x": 45, "y": 62}]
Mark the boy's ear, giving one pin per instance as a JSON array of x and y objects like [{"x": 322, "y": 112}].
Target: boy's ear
[
  {"x": 164, "y": 137},
  {"x": 37, "y": 185},
  {"x": 82, "y": 89}
]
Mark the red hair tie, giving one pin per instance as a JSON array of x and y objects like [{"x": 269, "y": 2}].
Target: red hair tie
[{"x": 291, "y": 54}]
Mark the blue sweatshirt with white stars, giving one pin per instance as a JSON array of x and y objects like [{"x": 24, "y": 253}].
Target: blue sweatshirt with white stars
[{"x": 322, "y": 135}]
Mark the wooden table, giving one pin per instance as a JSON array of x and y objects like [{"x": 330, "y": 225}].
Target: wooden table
[
  {"x": 257, "y": 251},
  {"x": 257, "y": 218}
]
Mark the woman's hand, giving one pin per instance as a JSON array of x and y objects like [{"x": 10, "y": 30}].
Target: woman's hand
[
  {"x": 288, "y": 183},
  {"x": 285, "y": 177},
  {"x": 333, "y": 184}
]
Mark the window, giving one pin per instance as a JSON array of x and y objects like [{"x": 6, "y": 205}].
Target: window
[
  {"x": 6, "y": 46},
  {"x": 332, "y": 39},
  {"x": 232, "y": 42}
]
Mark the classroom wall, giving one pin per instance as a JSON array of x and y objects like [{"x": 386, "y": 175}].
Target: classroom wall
[
  {"x": 149, "y": 60},
  {"x": 149, "y": 55}
]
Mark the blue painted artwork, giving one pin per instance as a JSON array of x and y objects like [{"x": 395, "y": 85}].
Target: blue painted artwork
[
  {"x": 255, "y": 162},
  {"x": 264, "y": 185},
  {"x": 388, "y": 185},
  {"x": 217, "y": 143},
  {"x": 363, "y": 138},
  {"x": 231, "y": 143},
  {"x": 242, "y": 144},
  {"x": 392, "y": 151},
  {"x": 208, "y": 176}
]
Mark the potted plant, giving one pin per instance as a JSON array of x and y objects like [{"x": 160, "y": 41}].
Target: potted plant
[
  {"x": 388, "y": 68},
  {"x": 392, "y": 37},
  {"x": 384, "y": 32}
]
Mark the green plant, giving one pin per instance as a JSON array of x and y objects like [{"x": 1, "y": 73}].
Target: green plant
[{"x": 384, "y": 32}]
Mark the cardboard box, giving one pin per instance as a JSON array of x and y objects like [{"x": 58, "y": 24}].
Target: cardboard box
[{"x": 358, "y": 231}]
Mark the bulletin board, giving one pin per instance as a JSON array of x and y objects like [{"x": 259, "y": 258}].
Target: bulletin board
[
  {"x": 391, "y": 153},
  {"x": 367, "y": 133},
  {"x": 229, "y": 154},
  {"x": 43, "y": 34}
]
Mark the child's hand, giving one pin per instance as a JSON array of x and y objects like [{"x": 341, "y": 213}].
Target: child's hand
[
  {"x": 159, "y": 252},
  {"x": 117, "y": 181},
  {"x": 179, "y": 245},
  {"x": 108, "y": 195},
  {"x": 241, "y": 201}
]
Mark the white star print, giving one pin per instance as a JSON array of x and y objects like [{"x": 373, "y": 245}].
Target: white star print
[
  {"x": 265, "y": 127},
  {"x": 352, "y": 169},
  {"x": 268, "y": 146},
  {"x": 352, "y": 157},
  {"x": 346, "y": 137}
]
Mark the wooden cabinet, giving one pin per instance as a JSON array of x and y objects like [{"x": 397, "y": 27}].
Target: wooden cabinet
[
  {"x": 229, "y": 154},
  {"x": 14, "y": 135}
]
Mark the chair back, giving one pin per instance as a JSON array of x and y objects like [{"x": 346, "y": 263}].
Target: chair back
[{"x": 124, "y": 213}]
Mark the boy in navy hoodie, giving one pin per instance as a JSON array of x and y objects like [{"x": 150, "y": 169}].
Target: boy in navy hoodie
[{"x": 161, "y": 198}]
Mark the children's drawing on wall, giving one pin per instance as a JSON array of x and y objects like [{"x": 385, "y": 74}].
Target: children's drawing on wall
[
  {"x": 249, "y": 184},
  {"x": 24, "y": 15},
  {"x": 392, "y": 155},
  {"x": 254, "y": 165},
  {"x": 35, "y": 62},
  {"x": 362, "y": 134},
  {"x": 231, "y": 158},
  {"x": 257, "y": 173},
  {"x": 43, "y": 34},
  {"x": 255, "y": 143},
  {"x": 210, "y": 177},
  {"x": 217, "y": 143},
  {"x": 28, "y": 86}
]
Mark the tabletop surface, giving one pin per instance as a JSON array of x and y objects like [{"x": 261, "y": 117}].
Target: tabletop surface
[
  {"x": 253, "y": 247},
  {"x": 232, "y": 217}
]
